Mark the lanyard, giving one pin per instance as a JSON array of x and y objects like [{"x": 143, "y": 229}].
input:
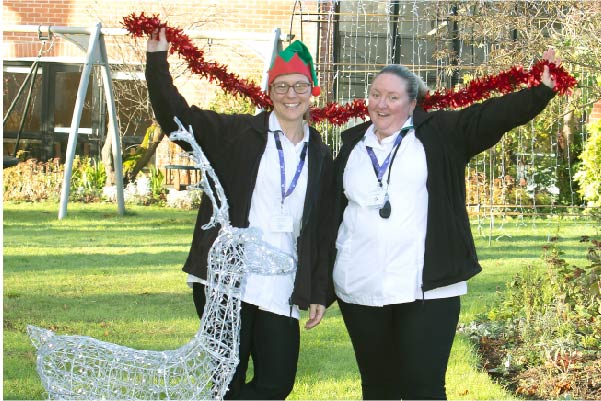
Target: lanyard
[
  {"x": 380, "y": 170},
  {"x": 299, "y": 168}
]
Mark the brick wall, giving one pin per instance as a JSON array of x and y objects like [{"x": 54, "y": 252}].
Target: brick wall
[
  {"x": 231, "y": 17},
  {"x": 596, "y": 112}
]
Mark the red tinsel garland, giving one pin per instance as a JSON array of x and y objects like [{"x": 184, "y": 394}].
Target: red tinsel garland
[
  {"x": 141, "y": 25},
  {"x": 478, "y": 89}
]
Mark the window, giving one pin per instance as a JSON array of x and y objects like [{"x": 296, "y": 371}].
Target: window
[
  {"x": 66, "y": 84},
  {"x": 14, "y": 77},
  {"x": 48, "y": 120}
]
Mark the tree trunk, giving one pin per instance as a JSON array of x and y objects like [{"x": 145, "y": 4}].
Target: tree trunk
[{"x": 154, "y": 136}]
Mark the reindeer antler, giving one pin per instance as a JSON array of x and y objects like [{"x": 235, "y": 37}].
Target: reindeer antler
[{"x": 221, "y": 209}]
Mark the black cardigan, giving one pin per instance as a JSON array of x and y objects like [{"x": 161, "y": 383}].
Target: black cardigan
[
  {"x": 450, "y": 139},
  {"x": 234, "y": 144}
]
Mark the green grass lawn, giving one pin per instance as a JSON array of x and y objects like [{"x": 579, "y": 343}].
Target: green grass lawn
[{"x": 119, "y": 279}]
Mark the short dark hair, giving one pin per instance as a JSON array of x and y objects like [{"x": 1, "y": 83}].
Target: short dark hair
[{"x": 416, "y": 88}]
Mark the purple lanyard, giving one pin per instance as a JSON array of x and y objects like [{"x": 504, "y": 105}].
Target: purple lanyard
[
  {"x": 380, "y": 170},
  {"x": 299, "y": 168}
]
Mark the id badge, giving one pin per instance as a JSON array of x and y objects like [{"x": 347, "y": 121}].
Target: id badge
[
  {"x": 281, "y": 223},
  {"x": 376, "y": 197}
]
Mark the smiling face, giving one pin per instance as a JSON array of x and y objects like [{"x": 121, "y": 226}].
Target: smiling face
[
  {"x": 389, "y": 104},
  {"x": 290, "y": 106}
]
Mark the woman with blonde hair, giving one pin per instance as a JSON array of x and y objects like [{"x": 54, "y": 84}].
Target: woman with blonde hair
[{"x": 273, "y": 167}]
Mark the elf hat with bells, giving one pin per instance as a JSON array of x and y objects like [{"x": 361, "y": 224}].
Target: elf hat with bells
[{"x": 295, "y": 59}]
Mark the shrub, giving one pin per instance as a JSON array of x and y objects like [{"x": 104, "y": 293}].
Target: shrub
[
  {"x": 187, "y": 199},
  {"x": 157, "y": 183},
  {"x": 36, "y": 181},
  {"x": 223, "y": 102},
  {"x": 589, "y": 172},
  {"x": 553, "y": 310},
  {"x": 87, "y": 180},
  {"x": 33, "y": 181},
  {"x": 147, "y": 189}
]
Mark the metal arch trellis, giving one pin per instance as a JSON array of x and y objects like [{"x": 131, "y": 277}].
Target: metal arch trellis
[
  {"x": 521, "y": 175},
  {"x": 359, "y": 45}
]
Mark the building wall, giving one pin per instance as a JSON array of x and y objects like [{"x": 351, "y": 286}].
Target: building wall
[
  {"x": 596, "y": 112},
  {"x": 242, "y": 57}
]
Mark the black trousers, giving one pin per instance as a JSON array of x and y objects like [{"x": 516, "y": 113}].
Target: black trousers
[
  {"x": 272, "y": 341},
  {"x": 402, "y": 350}
]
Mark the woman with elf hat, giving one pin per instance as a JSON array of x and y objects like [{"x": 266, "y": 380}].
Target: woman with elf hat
[{"x": 273, "y": 167}]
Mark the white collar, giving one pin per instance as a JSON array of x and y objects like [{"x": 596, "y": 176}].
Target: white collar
[
  {"x": 370, "y": 138},
  {"x": 274, "y": 125}
]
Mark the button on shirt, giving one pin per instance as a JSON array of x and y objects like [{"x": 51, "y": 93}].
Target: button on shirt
[
  {"x": 272, "y": 293},
  {"x": 380, "y": 261}
]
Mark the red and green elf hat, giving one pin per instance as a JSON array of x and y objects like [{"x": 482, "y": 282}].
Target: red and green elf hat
[{"x": 295, "y": 59}]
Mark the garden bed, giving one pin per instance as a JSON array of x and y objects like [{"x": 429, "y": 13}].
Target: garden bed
[
  {"x": 568, "y": 376},
  {"x": 542, "y": 340}
]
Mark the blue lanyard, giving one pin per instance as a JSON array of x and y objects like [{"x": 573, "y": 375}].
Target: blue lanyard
[
  {"x": 380, "y": 170},
  {"x": 299, "y": 168}
]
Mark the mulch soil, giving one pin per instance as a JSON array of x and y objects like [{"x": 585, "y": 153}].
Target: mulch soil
[{"x": 573, "y": 377}]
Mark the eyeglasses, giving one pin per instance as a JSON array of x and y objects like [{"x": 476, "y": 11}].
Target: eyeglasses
[{"x": 282, "y": 88}]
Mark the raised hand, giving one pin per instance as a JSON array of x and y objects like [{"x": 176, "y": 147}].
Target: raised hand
[
  {"x": 157, "y": 42},
  {"x": 546, "y": 77}
]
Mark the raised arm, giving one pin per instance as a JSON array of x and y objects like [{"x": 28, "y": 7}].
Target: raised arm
[
  {"x": 168, "y": 103},
  {"x": 480, "y": 126},
  {"x": 165, "y": 98}
]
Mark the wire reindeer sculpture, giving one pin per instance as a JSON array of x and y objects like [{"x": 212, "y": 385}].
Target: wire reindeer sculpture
[{"x": 79, "y": 367}]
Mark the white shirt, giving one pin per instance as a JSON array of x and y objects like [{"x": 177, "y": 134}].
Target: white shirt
[
  {"x": 380, "y": 261},
  {"x": 272, "y": 293}
]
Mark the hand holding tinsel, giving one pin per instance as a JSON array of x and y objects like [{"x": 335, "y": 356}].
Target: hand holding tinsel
[
  {"x": 141, "y": 25},
  {"x": 504, "y": 82},
  {"x": 157, "y": 41}
]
